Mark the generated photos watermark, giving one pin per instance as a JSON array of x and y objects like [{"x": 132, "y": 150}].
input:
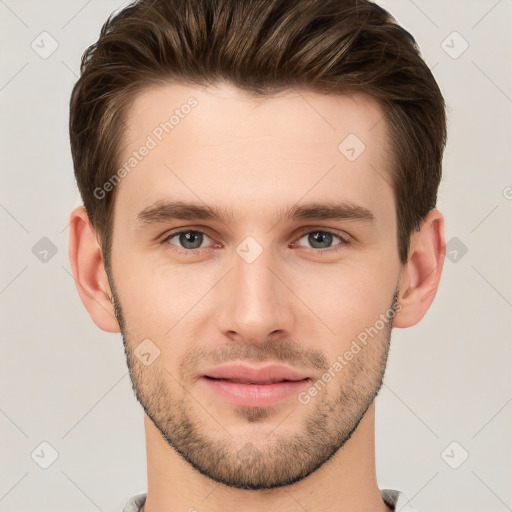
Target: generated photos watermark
[{"x": 152, "y": 140}]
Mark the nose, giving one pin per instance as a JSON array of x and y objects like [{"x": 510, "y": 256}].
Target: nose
[{"x": 257, "y": 301}]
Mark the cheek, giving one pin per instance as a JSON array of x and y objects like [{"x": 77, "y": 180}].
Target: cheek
[
  {"x": 346, "y": 299},
  {"x": 160, "y": 300}
]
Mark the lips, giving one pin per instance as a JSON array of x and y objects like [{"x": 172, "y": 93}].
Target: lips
[
  {"x": 243, "y": 374},
  {"x": 249, "y": 386},
  {"x": 245, "y": 381}
]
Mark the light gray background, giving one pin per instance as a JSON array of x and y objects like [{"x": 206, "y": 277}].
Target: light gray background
[{"x": 65, "y": 382}]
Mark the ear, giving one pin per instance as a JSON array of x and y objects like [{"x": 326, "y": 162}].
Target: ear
[
  {"x": 420, "y": 276},
  {"x": 88, "y": 268}
]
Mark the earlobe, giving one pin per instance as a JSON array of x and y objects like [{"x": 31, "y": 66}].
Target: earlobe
[
  {"x": 420, "y": 277},
  {"x": 88, "y": 269}
]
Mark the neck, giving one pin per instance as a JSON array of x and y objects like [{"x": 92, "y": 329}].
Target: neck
[{"x": 345, "y": 482}]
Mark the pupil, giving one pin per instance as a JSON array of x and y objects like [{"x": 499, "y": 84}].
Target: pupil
[
  {"x": 318, "y": 237},
  {"x": 187, "y": 239}
]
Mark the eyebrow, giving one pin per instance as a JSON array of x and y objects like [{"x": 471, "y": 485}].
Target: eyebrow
[{"x": 164, "y": 211}]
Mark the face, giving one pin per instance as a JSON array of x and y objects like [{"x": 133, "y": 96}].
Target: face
[{"x": 295, "y": 263}]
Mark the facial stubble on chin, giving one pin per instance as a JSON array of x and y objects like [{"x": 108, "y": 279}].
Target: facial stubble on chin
[{"x": 274, "y": 461}]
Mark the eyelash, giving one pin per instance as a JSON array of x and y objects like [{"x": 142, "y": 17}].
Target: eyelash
[{"x": 344, "y": 241}]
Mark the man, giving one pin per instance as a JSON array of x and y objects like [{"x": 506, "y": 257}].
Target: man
[{"x": 259, "y": 182}]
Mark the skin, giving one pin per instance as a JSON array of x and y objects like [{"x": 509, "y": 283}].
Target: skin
[{"x": 290, "y": 305}]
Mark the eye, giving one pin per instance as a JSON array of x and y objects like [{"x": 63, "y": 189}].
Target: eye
[
  {"x": 189, "y": 240},
  {"x": 321, "y": 239}
]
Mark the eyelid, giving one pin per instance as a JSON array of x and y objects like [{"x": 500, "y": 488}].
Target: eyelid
[
  {"x": 173, "y": 232},
  {"x": 342, "y": 235},
  {"x": 345, "y": 238}
]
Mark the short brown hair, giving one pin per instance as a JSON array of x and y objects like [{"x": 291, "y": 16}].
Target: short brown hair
[{"x": 261, "y": 47}]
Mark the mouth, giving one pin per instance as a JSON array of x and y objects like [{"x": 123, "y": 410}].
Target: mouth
[
  {"x": 256, "y": 382},
  {"x": 255, "y": 387},
  {"x": 244, "y": 374}
]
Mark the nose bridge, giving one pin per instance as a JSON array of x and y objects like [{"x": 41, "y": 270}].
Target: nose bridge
[{"x": 259, "y": 302}]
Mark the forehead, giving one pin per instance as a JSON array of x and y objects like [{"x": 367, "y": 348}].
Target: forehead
[
  {"x": 230, "y": 111},
  {"x": 222, "y": 146}
]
